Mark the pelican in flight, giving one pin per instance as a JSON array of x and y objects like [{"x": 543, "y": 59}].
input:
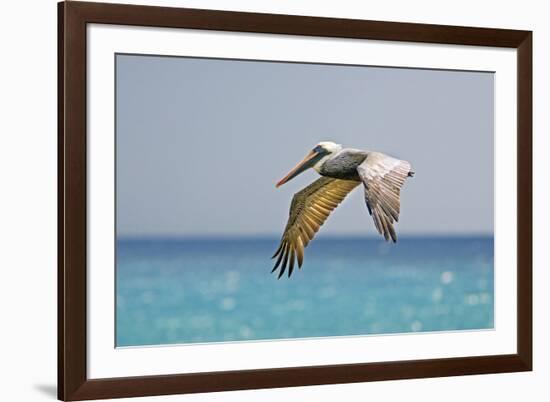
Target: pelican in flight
[{"x": 342, "y": 170}]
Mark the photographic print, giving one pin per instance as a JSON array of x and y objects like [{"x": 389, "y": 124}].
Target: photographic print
[
  {"x": 268, "y": 200},
  {"x": 251, "y": 200}
]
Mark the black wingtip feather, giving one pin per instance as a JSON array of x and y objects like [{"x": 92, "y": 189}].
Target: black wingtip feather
[
  {"x": 291, "y": 264},
  {"x": 285, "y": 260},
  {"x": 281, "y": 253},
  {"x": 278, "y": 250},
  {"x": 281, "y": 272}
]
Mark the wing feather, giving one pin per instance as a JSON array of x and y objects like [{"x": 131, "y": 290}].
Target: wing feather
[
  {"x": 309, "y": 210},
  {"x": 383, "y": 177}
]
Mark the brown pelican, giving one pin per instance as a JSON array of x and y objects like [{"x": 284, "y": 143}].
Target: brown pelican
[{"x": 342, "y": 170}]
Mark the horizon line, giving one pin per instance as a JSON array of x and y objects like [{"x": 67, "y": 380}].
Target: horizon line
[{"x": 271, "y": 236}]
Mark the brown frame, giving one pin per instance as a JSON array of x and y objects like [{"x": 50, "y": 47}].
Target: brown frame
[{"x": 73, "y": 383}]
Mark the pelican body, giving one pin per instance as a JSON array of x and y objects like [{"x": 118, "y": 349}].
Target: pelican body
[{"x": 342, "y": 170}]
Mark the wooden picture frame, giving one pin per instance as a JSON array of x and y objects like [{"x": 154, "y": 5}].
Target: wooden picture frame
[{"x": 73, "y": 382}]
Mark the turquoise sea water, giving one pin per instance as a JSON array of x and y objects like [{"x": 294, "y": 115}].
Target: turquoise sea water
[{"x": 214, "y": 290}]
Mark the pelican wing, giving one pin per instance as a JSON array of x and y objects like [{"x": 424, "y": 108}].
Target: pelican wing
[
  {"x": 309, "y": 209},
  {"x": 383, "y": 177}
]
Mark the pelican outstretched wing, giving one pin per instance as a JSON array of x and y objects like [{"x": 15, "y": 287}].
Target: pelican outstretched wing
[
  {"x": 309, "y": 209},
  {"x": 383, "y": 177}
]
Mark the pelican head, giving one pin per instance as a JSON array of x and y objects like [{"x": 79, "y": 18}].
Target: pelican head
[{"x": 314, "y": 159}]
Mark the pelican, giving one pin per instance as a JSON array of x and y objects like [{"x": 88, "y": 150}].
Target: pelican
[{"x": 342, "y": 170}]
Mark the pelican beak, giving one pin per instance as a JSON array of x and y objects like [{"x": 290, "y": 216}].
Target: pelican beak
[{"x": 305, "y": 164}]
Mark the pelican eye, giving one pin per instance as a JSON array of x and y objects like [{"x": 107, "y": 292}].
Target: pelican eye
[{"x": 319, "y": 149}]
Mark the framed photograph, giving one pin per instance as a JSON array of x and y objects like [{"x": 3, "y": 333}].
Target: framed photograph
[{"x": 253, "y": 200}]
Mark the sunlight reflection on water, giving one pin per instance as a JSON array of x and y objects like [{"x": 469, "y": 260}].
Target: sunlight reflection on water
[{"x": 179, "y": 291}]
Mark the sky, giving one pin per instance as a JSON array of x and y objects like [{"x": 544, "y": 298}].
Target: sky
[{"x": 200, "y": 143}]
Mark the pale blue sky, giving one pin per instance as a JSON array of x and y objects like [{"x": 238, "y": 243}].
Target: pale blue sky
[{"x": 201, "y": 143}]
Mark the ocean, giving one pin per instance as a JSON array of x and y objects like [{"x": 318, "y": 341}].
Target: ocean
[{"x": 193, "y": 290}]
